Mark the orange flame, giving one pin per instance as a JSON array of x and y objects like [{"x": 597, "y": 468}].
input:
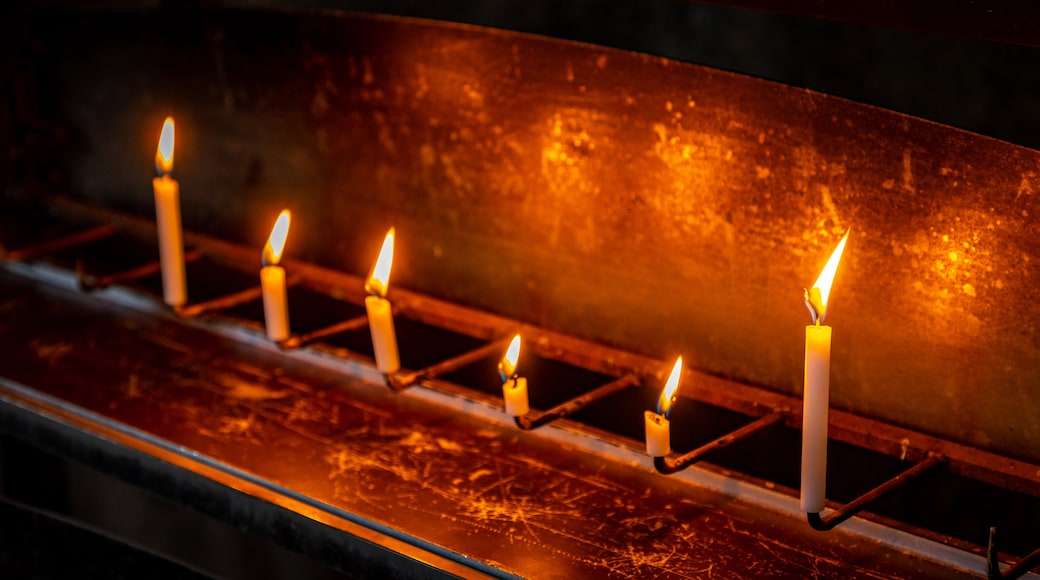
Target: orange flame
[
  {"x": 664, "y": 404},
  {"x": 164, "y": 153},
  {"x": 379, "y": 280},
  {"x": 276, "y": 242},
  {"x": 826, "y": 279},
  {"x": 507, "y": 366}
]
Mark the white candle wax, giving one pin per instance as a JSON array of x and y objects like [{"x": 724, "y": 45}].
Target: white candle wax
[
  {"x": 658, "y": 434},
  {"x": 514, "y": 391},
  {"x": 814, "y": 417},
  {"x": 276, "y": 304},
  {"x": 171, "y": 239},
  {"x": 384, "y": 339}
]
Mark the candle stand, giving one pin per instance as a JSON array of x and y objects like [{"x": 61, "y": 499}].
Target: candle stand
[
  {"x": 768, "y": 408},
  {"x": 90, "y": 283},
  {"x": 836, "y": 517},
  {"x": 57, "y": 244},
  {"x": 402, "y": 380},
  {"x": 675, "y": 462},
  {"x": 348, "y": 325},
  {"x": 1017, "y": 570},
  {"x": 533, "y": 421},
  {"x": 227, "y": 301}
]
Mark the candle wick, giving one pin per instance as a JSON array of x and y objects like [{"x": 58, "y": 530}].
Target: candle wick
[
  {"x": 671, "y": 403},
  {"x": 814, "y": 309}
]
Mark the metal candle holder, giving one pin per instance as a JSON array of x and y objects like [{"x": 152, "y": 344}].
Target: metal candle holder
[
  {"x": 836, "y": 517},
  {"x": 1017, "y": 570},
  {"x": 675, "y": 462},
  {"x": 771, "y": 407},
  {"x": 533, "y": 420},
  {"x": 401, "y": 380}
]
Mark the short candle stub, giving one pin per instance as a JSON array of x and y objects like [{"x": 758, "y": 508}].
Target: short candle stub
[{"x": 658, "y": 435}]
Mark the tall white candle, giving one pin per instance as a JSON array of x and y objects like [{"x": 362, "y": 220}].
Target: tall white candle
[
  {"x": 272, "y": 281},
  {"x": 168, "y": 221},
  {"x": 816, "y": 398},
  {"x": 379, "y": 309},
  {"x": 514, "y": 387},
  {"x": 658, "y": 429}
]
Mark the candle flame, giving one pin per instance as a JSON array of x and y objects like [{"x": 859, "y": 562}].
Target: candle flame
[
  {"x": 664, "y": 404},
  {"x": 507, "y": 366},
  {"x": 276, "y": 242},
  {"x": 164, "y": 153},
  {"x": 816, "y": 298},
  {"x": 379, "y": 280}
]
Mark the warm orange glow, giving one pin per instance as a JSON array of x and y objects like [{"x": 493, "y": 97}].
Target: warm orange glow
[
  {"x": 507, "y": 366},
  {"x": 164, "y": 153},
  {"x": 826, "y": 279},
  {"x": 664, "y": 404},
  {"x": 276, "y": 242},
  {"x": 379, "y": 280}
]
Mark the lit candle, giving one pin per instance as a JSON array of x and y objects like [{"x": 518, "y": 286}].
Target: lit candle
[
  {"x": 514, "y": 387},
  {"x": 168, "y": 221},
  {"x": 380, "y": 317},
  {"x": 272, "y": 280},
  {"x": 658, "y": 430},
  {"x": 817, "y": 388}
]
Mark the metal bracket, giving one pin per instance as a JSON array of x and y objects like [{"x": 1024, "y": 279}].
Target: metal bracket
[
  {"x": 402, "y": 380},
  {"x": 530, "y": 421},
  {"x": 836, "y": 517},
  {"x": 675, "y": 463}
]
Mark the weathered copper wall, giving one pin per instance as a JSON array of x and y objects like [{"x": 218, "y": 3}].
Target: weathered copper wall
[{"x": 659, "y": 206}]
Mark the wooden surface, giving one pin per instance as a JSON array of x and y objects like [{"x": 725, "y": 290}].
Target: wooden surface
[{"x": 512, "y": 500}]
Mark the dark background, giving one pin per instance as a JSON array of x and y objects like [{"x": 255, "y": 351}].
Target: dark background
[{"x": 972, "y": 65}]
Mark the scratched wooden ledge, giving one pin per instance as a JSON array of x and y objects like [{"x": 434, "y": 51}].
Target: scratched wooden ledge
[{"x": 474, "y": 490}]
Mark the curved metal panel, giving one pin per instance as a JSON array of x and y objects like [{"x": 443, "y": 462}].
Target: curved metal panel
[{"x": 657, "y": 206}]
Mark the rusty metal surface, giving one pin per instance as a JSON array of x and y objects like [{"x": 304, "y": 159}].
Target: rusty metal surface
[
  {"x": 657, "y": 206},
  {"x": 477, "y": 489}
]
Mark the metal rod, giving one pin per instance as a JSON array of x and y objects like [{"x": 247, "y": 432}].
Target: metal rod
[
  {"x": 84, "y": 237},
  {"x": 1016, "y": 570},
  {"x": 227, "y": 301},
  {"x": 836, "y": 517},
  {"x": 527, "y": 422},
  {"x": 89, "y": 283},
  {"x": 349, "y": 325},
  {"x": 674, "y": 463},
  {"x": 403, "y": 380}
]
